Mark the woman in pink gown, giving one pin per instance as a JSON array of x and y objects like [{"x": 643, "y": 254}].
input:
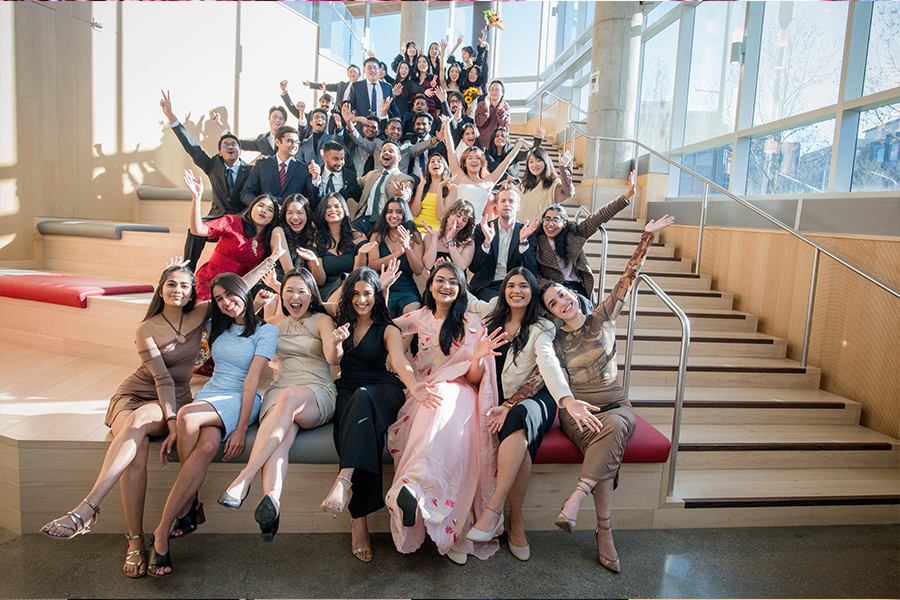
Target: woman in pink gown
[{"x": 445, "y": 458}]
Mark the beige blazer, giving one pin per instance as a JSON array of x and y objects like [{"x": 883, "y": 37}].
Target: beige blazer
[{"x": 368, "y": 181}]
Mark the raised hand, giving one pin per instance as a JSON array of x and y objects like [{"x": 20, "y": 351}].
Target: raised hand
[
  {"x": 386, "y": 105},
  {"x": 662, "y": 223},
  {"x": 390, "y": 273},
  {"x": 397, "y": 89},
  {"x": 308, "y": 255},
  {"x": 487, "y": 227},
  {"x": 340, "y": 333},
  {"x": 431, "y": 231},
  {"x": 631, "y": 184},
  {"x": 401, "y": 189},
  {"x": 166, "y": 105},
  {"x": 194, "y": 183},
  {"x": 347, "y": 113},
  {"x": 270, "y": 280},
  {"x": 301, "y": 106},
  {"x": 440, "y": 93},
  {"x": 367, "y": 247},
  {"x": 429, "y": 92},
  {"x": 216, "y": 118},
  {"x": 314, "y": 170},
  {"x": 306, "y": 82},
  {"x": 283, "y": 85},
  {"x": 565, "y": 159},
  {"x": 527, "y": 229},
  {"x": 426, "y": 395},
  {"x": 405, "y": 238},
  {"x": 262, "y": 296},
  {"x": 487, "y": 344},
  {"x": 177, "y": 261},
  {"x": 277, "y": 248},
  {"x": 539, "y": 132},
  {"x": 338, "y": 123}
]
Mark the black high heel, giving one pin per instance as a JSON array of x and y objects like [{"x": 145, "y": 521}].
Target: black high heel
[
  {"x": 268, "y": 517},
  {"x": 189, "y": 522},
  {"x": 407, "y": 504},
  {"x": 157, "y": 561}
]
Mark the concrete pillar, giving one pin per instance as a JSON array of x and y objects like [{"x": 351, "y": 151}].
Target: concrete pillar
[
  {"x": 611, "y": 109},
  {"x": 412, "y": 23}
]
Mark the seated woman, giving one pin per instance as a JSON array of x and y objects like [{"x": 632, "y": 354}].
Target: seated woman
[
  {"x": 244, "y": 239},
  {"x": 428, "y": 205},
  {"x": 454, "y": 238},
  {"x": 241, "y": 346},
  {"x": 559, "y": 244},
  {"x": 586, "y": 347},
  {"x": 395, "y": 236},
  {"x": 341, "y": 248},
  {"x": 498, "y": 149},
  {"x": 368, "y": 398},
  {"x": 444, "y": 455},
  {"x": 541, "y": 185},
  {"x": 474, "y": 182},
  {"x": 531, "y": 384},
  {"x": 295, "y": 220},
  {"x": 301, "y": 397},
  {"x": 145, "y": 405}
]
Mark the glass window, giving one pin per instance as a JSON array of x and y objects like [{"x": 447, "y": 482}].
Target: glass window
[
  {"x": 437, "y": 23},
  {"x": 571, "y": 19},
  {"x": 660, "y": 11},
  {"x": 519, "y": 89},
  {"x": 658, "y": 88},
  {"x": 793, "y": 161},
  {"x": 800, "y": 58},
  {"x": 384, "y": 32},
  {"x": 519, "y": 43},
  {"x": 877, "y": 163},
  {"x": 883, "y": 60},
  {"x": 462, "y": 25},
  {"x": 714, "y": 164},
  {"x": 712, "y": 95}
]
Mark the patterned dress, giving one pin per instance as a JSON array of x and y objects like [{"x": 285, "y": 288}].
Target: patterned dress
[{"x": 234, "y": 253}]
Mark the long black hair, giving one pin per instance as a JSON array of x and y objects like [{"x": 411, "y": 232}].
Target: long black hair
[
  {"x": 307, "y": 236},
  {"x": 382, "y": 228},
  {"x": 324, "y": 241},
  {"x": 454, "y": 327},
  {"x": 250, "y": 227},
  {"x": 547, "y": 176},
  {"x": 347, "y": 314},
  {"x": 561, "y": 241},
  {"x": 157, "y": 304},
  {"x": 315, "y": 300},
  {"x": 445, "y": 190},
  {"x": 533, "y": 312},
  {"x": 219, "y": 321},
  {"x": 492, "y": 152}
]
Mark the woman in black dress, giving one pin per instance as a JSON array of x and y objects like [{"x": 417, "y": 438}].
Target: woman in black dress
[
  {"x": 368, "y": 399},
  {"x": 340, "y": 247}
]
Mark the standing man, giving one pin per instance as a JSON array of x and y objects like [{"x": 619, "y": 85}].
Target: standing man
[
  {"x": 368, "y": 96},
  {"x": 311, "y": 146},
  {"x": 377, "y": 187},
  {"x": 335, "y": 176},
  {"x": 341, "y": 88},
  {"x": 282, "y": 175},
  {"x": 501, "y": 245},
  {"x": 264, "y": 142},
  {"x": 226, "y": 171}
]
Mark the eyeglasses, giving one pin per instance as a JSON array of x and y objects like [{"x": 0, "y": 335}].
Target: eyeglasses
[
  {"x": 229, "y": 145},
  {"x": 554, "y": 220},
  {"x": 291, "y": 141}
]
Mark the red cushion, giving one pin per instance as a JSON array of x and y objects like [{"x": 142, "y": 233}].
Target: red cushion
[
  {"x": 67, "y": 290},
  {"x": 647, "y": 445}
]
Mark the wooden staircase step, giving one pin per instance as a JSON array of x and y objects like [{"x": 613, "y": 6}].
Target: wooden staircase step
[
  {"x": 700, "y": 319},
  {"x": 617, "y": 263},
  {"x": 720, "y": 371},
  {"x": 703, "y": 343}
]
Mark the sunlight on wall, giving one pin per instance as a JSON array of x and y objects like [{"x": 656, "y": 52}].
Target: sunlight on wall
[
  {"x": 7, "y": 87},
  {"x": 103, "y": 76}
]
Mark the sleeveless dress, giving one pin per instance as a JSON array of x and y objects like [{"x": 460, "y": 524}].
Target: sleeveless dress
[
  {"x": 301, "y": 361},
  {"x": 404, "y": 291},
  {"x": 445, "y": 455},
  {"x": 475, "y": 194},
  {"x": 336, "y": 269},
  {"x": 428, "y": 214},
  {"x": 233, "y": 355},
  {"x": 234, "y": 253},
  {"x": 368, "y": 398},
  {"x": 140, "y": 387}
]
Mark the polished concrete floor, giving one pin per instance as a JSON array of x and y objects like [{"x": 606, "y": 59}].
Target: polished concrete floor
[{"x": 793, "y": 562}]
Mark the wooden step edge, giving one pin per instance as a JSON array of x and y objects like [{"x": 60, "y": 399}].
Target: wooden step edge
[
  {"x": 696, "y": 339},
  {"x": 628, "y": 256},
  {"x": 710, "y": 369},
  {"x": 690, "y": 315},
  {"x": 786, "y": 447},
  {"x": 680, "y": 293},
  {"x": 742, "y": 404},
  {"x": 886, "y": 499}
]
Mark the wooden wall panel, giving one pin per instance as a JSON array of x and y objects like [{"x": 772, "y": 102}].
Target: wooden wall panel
[{"x": 855, "y": 336}]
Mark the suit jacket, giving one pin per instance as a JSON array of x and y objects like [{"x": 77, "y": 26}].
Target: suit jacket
[
  {"x": 309, "y": 151},
  {"x": 264, "y": 179},
  {"x": 548, "y": 264},
  {"x": 368, "y": 181},
  {"x": 359, "y": 99},
  {"x": 223, "y": 203},
  {"x": 454, "y": 128},
  {"x": 485, "y": 263},
  {"x": 351, "y": 189},
  {"x": 260, "y": 144}
]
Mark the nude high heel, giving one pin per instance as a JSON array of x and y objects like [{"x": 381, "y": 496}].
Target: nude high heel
[{"x": 610, "y": 563}]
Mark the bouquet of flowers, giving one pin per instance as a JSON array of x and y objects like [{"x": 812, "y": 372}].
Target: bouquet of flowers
[
  {"x": 471, "y": 94},
  {"x": 492, "y": 19}
]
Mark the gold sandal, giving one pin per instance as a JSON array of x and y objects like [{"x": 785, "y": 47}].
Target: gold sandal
[
  {"x": 129, "y": 556},
  {"x": 80, "y": 527}
]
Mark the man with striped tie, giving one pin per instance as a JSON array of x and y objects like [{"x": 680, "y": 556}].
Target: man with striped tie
[{"x": 282, "y": 175}]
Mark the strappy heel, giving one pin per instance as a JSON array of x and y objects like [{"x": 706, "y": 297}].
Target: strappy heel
[
  {"x": 610, "y": 563},
  {"x": 80, "y": 526},
  {"x": 130, "y": 554},
  {"x": 189, "y": 522},
  {"x": 564, "y": 522},
  {"x": 333, "y": 508}
]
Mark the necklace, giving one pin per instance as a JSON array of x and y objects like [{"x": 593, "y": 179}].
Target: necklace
[
  {"x": 180, "y": 338},
  {"x": 254, "y": 245}
]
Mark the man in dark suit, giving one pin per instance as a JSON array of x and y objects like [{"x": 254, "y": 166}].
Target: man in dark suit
[
  {"x": 264, "y": 143},
  {"x": 377, "y": 187},
  {"x": 226, "y": 171},
  {"x": 335, "y": 176},
  {"x": 341, "y": 88},
  {"x": 501, "y": 245},
  {"x": 311, "y": 147},
  {"x": 453, "y": 105},
  {"x": 298, "y": 109},
  {"x": 362, "y": 93},
  {"x": 282, "y": 175}
]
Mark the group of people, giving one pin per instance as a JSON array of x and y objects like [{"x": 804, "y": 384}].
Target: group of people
[{"x": 302, "y": 282}]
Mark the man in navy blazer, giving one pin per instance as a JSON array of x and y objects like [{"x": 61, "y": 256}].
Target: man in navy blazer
[
  {"x": 501, "y": 245},
  {"x": 299, "y": 178},
  {"x": 335, "y": 177},
  {"x": 311, "y": 147},
  {"x": 361, "y": 93},
  {"x": 226, "y": 171},
  {"x": 264, "y": 143}
]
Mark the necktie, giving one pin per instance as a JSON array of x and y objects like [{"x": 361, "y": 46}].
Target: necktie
[
  {"x": 282, "y": 174},
  {"x": 329, "y": 187},
  {"x": 229, "y": 180},
  {"x": 373, "y": 101},
  {"x": 376, "y": 201},
  {"x": 422, "y": 165}
]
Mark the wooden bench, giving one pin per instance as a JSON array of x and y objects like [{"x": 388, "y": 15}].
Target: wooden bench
[{"x": 94, "y": 229}]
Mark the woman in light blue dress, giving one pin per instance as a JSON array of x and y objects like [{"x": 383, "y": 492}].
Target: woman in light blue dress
[{"x": 241, "y": 346}]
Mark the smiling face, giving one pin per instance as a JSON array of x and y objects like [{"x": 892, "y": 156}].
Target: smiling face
[
  {"x": 393, "y": 131},
  {"x": 434, "y": 50},
  {"x": 495, "y": 92},
  {"x": 318, "y": 122},
  {"x": 420, "y": 105},
  {"x": 499, "y": 139},
  {"x": 334, "y": 212},
  {"x": 393, "y": 214},
  {"x": 390, "y": 155},
  {"x": 370, "y": 131},
  {"x": 370, "y": 68},
  {"x": 288, "y": 145},
  {"x": 553, "y": 223},
  {"x": 334, "y": 160},
  {"x": 436, "y": 166},
  {"x": 468, "y": 136},
  {"x": 363, "y": 298},
  {"x": 474, "y": 162},
  {"x": 535, "y": 165},
  {"x": 444, "y": 287},
  {"x": 518, "y": 292},
  {"x": 295, "y": 216},
  {"x": 352, "y": 73},
  {"x": 229, "y": 150},
  {"x": 422, "y": 65},
  {"x": 453, "y": 73},
  {"x": 176, "y": 290},
  {"x": 421, "y": 126},
  {"x": 473, "y": 75},
  {"x": 561, "y": 302},
  {"x": 403, "y": 70},
  {"x": 229, "y": 304},
  {"x": 276, "y": 119},
  {"x": 263, "y": 212},
  {"x": 295, "y": 296}
]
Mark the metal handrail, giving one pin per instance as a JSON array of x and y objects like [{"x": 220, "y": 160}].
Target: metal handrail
[
  {"x": 569, "y": 107},
  {"x": 706, "y": 183},
  {"x": 601, "y": 280},
  {"x": 682, "y": 364}
]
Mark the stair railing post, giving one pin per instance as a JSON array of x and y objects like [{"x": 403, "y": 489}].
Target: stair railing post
[
  {"x": 596, "y": 168},
  {"x": 601, "y": 285},
  {"x": 809, "y": 308},
  {"x": 702, "y": 225}
]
